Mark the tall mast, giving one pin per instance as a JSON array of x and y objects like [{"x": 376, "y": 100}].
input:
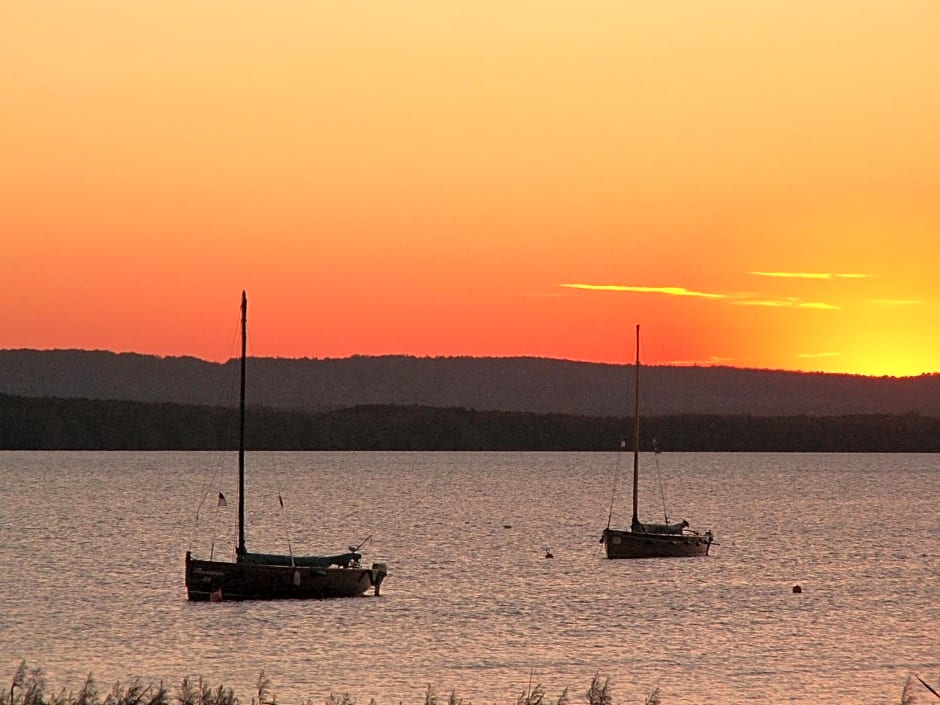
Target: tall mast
[
  {"x": 241, "y": 433},
  {"x": 636, "y": 428}
]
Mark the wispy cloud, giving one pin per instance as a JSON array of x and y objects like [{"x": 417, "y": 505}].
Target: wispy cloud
[
  {"x": 818, "y": 305},
  {"x": 713, "y": 361},
  {"x": 668, "y": 290},
  {"x": 812, "y": 275},
  {"x": 897, "y": 302},
  {"x": 740, "y": 299},
  {"x": 812, "y": 356},
  {"x": 788, "y": 302}
]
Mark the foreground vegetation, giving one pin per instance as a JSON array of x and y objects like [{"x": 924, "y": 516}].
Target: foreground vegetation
[
  {"x": 88, "y": 424},
  {"x": 29, "y": 687}
]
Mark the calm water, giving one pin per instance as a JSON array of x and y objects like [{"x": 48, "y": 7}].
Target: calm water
[{"x": 92, "y": 549}]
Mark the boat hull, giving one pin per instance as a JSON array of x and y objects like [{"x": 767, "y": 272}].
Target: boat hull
[
  {"x": 633, "y": 544},
  {"x": 216, "y": 581}
]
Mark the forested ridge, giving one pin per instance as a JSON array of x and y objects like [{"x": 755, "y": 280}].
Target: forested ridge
[
  {"x": 28, "y": 423},
  {"x": 537, "y": 385}
]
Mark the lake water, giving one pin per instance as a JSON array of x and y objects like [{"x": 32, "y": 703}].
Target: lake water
[{"x": 92, "y": 548}]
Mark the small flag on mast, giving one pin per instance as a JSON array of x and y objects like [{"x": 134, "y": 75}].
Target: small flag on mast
[{"x": 222, "y": 502}]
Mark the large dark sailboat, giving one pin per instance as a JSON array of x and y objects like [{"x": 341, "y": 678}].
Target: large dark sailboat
[
  {"x": 265, "y": 576},
  {"x": 645, "y": 540}
]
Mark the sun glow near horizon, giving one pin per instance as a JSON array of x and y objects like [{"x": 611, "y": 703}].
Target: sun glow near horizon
[{"x": 855, "y": 333}]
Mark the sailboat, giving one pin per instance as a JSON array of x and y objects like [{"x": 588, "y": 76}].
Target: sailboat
[
  {"x": 645, "y": 540},
  {"x": 266, "y": 576}
]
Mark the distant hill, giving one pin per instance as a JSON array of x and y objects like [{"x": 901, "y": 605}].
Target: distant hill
[{"x": 520, "y": 384}]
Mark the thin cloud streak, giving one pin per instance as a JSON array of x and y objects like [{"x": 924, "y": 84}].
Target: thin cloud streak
[
  {"x": 812, "y": 275},
  {"x": 668, "y": 290},
  {"x": 738, "y": 299},
  {"x": 713, "y": 361},
  {"x": 788, "y": 303},
  {"x": 812, "y": 356},
  {"x": 897, "y": 302},
  {"x": 819, "y": 306},
  {"x": 772, "y": 303}
]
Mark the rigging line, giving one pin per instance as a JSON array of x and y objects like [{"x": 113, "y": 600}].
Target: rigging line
[
  {"x": 235, "y": 389},
  {"x": 284, "y": 520},
  {"x": 659, "y": 477},
  {"x": 215, "y": 478},
  {"x": 613, "y": 492},
  {"x": 202, "y": 501},
  {"x": 233, "y": 354},
  {"x": 923, "y": 683},
  {"x": 214, "y": 485},
  {"x": 220, "y": 503}
]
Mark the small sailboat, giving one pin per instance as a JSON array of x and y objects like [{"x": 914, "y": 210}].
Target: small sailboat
[
  {"x": 644, "y": 540},
  {"x": 266, "y": 576}
]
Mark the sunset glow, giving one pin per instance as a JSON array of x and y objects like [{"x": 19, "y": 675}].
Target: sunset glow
[{"x": 754, "y": 183}]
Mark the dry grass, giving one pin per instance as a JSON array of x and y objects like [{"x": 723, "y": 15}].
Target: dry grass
[{"x": 29, "y": 687}]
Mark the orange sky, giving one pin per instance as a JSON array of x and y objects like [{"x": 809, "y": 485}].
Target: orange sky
[{"x": 756, "y": 183}]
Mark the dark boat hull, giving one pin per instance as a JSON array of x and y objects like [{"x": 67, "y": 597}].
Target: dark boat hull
[
  {"x": 216, "y": 581},
  {"x": 633, "y": 544}
]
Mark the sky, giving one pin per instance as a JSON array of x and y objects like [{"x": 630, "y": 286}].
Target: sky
[{"x": 756, "y": 184}]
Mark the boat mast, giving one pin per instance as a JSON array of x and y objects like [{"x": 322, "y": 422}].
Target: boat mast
[
  {"x": 241, "y": 433},
  {"x": 636, "y": 428}
]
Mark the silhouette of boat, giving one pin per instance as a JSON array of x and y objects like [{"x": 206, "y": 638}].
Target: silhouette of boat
[
  {"x": 265, "y": 576},
  {"x": 645, "y": 540}
]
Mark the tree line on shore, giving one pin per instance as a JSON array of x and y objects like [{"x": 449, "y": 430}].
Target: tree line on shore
[{"x": 28, "y": 423}]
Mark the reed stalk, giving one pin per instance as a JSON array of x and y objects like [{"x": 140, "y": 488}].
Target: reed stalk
[{"x": 30, "y": 687}]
